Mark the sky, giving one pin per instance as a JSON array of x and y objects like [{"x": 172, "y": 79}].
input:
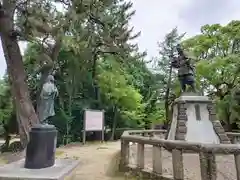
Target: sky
[{"x": 155, "y": 18}]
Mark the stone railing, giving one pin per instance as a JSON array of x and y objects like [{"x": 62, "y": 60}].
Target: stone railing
[
  {"x": 234, "y": 137},
  {"x": 206, "y": 152}
]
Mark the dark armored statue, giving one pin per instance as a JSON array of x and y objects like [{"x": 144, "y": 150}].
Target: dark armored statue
[{"x": 186, "y": 71}]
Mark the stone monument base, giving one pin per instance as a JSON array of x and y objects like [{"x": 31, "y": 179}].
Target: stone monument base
[
  {"x": 194, "y": 120},
  {"x": 16, "y": 171}
]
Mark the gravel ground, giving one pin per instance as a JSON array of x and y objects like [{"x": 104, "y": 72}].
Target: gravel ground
[
  {"x": 100, "y": 162},
  {"x": 225, "y": 164},
  {"x": 97, "y": 162}
]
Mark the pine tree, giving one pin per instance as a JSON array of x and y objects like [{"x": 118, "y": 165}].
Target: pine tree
[{"x": 167, "y": 50}]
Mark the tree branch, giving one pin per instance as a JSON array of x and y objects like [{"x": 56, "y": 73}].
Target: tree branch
[
  {"x": 65, "y": 2},
  {"x": 96, "y": 20},
  {"x": 107, "y": 52}
]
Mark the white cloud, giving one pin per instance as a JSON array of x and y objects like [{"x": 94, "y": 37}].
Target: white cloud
[
  {"x": 158, "y": 17},
  {"x": 155, "y": 18}
]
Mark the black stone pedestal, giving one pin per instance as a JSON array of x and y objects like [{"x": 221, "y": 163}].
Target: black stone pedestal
[{"x": 41, "y": 147}]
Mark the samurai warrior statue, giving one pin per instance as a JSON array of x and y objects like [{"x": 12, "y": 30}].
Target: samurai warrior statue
[{"x": 186, "y": 71}]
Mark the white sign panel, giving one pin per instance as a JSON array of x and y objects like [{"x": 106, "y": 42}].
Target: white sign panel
[{"x": 93, "y": 120}]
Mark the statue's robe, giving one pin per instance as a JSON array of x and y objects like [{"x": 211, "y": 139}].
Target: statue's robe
[{"x": 47, "y": 96}]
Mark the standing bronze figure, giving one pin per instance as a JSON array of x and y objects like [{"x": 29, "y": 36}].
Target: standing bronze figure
[
  {"x": 186, "y": 71},
  {"x": 48, "y": 94}
]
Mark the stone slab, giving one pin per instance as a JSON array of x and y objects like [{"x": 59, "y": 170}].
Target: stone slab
[
  {"x": 193, "y": 98},
  {"x": 200, "y": 130},
  {"x": 16, "y": 170}
]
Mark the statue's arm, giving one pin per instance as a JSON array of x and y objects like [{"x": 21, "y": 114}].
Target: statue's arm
[
  {"x": 186, "y": 61},
  {"x": 190, "y": 65}
]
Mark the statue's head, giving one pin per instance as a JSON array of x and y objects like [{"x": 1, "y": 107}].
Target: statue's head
[{"x": 50, "y": 78}]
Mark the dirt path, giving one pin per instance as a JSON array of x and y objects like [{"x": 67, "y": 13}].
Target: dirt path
[
  {"x": 100, "y": 162},
  {"x": 97, "y": 161},
  {"x": 225, "y": 164}
]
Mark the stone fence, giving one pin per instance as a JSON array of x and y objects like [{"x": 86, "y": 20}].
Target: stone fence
[{"x": 206, "y": 152}]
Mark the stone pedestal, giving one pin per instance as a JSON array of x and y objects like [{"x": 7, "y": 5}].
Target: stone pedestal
[
  {"x": 62, "y": 169},
  {"x": 194, "y": 120},
  {"x": 41, "y": 147},
  {"x": 40, "y": 159}
]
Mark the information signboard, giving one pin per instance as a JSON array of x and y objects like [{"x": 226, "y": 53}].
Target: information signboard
[{"x": 93, "y": 121}]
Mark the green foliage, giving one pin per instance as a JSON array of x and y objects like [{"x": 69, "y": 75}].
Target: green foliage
[
  {"x": 216, "y": 53},
  {"x": 217, "y": 50},
  {"x": 117, "y": 91},
  {"x": 6, "y": 107},
  {"x": 87, "y": 47},
  {"x": 97, "y": 68},
  {"x": 167, "y": 76}
]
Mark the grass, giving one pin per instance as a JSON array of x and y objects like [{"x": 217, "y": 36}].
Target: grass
[
  {"x": 3, "y": 161},
  {"x": 59, "y": 153}
]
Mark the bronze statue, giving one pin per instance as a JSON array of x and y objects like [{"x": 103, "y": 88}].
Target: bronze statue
[
  {"x": 186, "y": 71},
  {"x": 48, "y": 94}
]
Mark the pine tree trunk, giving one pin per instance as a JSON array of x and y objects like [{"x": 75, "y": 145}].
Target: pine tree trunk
[
  {"x": 114, "y": 122},
  {"x": 167, "y": 112},
  {"x": 26, "y": 115}
]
